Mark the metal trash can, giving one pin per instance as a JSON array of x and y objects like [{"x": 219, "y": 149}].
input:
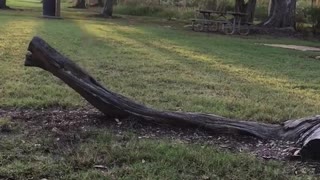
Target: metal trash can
[{"x": 49, "y": 7}]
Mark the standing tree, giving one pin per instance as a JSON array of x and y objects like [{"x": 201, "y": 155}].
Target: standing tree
[
  {"x": 81, "y": 4},
  {"x": 282, "y": 14},
  {"x": 3, "y": 4},
  {"x": 100, "y": 3},
  {"x": 247, "y": 8},
  {"x": 108, "y": 8}
]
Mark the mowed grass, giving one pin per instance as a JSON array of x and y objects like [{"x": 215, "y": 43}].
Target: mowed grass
[
  {"x": 161, "y": 66},
  {"x": 101, "y": 154},
  {"x": 164, "y": 68}
]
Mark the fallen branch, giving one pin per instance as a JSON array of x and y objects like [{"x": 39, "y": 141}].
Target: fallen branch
[{"x": 305, "y": 132}]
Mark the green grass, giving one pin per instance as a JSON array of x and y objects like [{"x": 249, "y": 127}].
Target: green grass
[
  {"x": 43, "y": 155},
  {"x": 163, "y": 66},
  {"x": 34, "y": 5}
]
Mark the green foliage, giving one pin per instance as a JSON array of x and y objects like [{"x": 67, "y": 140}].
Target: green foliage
[
  {"x": 155, "y": 11},
  {"x": 139, "y": 10},
  {"x": 169, "y": 9},
  {"x": 314, "y": 15},
  {"x": 261, "y": 12}
]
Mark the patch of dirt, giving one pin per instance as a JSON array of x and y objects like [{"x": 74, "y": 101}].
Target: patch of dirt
[
  {"x": 11, "y": 9},
  {"x": 294, "y": 47},
  {"x": 63, "y": 122},
  {"x": 103, "y": 17}
]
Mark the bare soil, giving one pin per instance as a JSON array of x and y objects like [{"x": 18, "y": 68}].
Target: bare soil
[{"x": 62, "y": 123}]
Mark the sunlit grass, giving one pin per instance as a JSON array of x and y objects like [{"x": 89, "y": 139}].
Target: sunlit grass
[
  {"x": 34, "y": 4},
  {"x": 164, "y": 68},
  {"x": 206, "y": 81}
]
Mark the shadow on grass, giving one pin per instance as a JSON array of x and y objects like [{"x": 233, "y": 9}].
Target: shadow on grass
[
  {"x": 50, "y": 153},
  {"x": 246, "y": 79}
]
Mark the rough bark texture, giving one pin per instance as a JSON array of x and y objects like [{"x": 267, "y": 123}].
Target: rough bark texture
[
  {"x": 108, "y": 8},
  {"x": 80, "y": 4},
  {"x": 282, "y": 14},
  {"x": 305, "y": 132},
  {"x": 247, "y": 8}
]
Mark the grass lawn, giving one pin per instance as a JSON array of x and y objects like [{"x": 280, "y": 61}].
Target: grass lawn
[
  {"x": 100, "y": 153},
  {"x": 164, "y": 67}
]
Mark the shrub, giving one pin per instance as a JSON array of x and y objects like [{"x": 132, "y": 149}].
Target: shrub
[
  {"x": 314, "y": 16},
  {"x": 138, "y": 10}
]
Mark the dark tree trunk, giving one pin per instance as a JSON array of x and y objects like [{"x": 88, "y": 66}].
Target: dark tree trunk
[
  {"x": 305, "y": 132},
  {"x": 270, "y": 7},
  {"x": 100, "y": 3},
  {"x": 247, "y": 8},
  {"x": 251, "y": 7},
  {"x": 3, "y": 4},
  {"x": 108, "y": 8},
  {"x": 80, "y": 4},
  {"x": 282, "y": 14}
]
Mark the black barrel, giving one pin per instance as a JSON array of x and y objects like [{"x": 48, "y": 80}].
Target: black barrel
[{"x": 49, "y": 7}]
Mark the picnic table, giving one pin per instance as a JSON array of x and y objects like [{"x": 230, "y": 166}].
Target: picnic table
[
  {"x": 207, "y": 13},
  {"x": 208, "y": 20},
  {"x": 237, "y": 25}
]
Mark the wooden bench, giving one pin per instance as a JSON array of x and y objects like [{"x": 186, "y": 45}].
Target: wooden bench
[
  {"x": 230, "y": 28},
  {"x": 210, "y": 25}
]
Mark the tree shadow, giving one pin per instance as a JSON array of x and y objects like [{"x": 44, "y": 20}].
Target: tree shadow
[{"x": 252, "y": 78}]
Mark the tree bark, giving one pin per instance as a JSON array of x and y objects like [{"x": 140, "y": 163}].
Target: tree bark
[
  {"x": 3, "y": 4},
  {"x": 282, "y": 14},
  {"x": 305, "y": 132},
  {"x": 270, "y": 7},
  {"x": 108, "y": 8},
  {"x": 99, "y": 3},
  {"x": 247, "y": 8},
  {"x": 80, "y": 4}
]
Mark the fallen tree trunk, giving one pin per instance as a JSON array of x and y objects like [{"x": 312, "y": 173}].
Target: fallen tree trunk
[{"x": 305, "y": 132}]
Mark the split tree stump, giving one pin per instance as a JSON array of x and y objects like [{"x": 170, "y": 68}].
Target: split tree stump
[{"x": 305, "y": 132}]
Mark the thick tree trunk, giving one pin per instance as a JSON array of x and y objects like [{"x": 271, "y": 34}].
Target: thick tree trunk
[
  {"x": 247, "y": 8},
  {"x": 3, "y": 4},
  {"x": 305, "y": 132},
  {"x": 80, "y": 4},
  {"x": 100, "y": 3},
  {"x": 250, "y": 11},
  {"x": 282, "y": 14},
  {"x": 108, "y": 8},
  {"x": 270, "y": 7}
]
